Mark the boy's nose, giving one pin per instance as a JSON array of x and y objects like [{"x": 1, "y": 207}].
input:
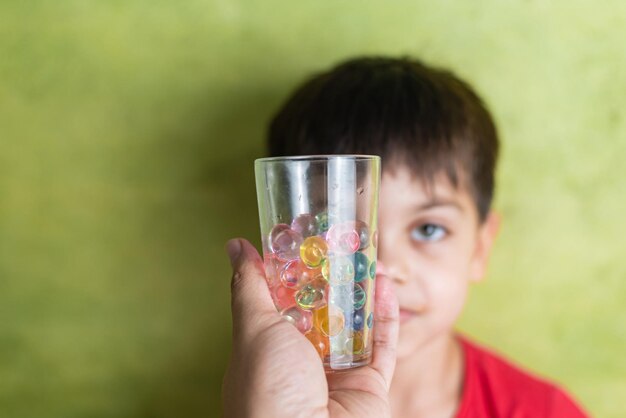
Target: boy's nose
[
  {"x": 393, "y": 273},
  {"x": 391, "y": 258}
]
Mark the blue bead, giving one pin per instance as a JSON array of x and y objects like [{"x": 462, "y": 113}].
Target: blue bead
[{"x": 358, "y": 320}]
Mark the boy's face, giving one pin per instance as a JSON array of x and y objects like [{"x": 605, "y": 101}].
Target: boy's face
[{"x": 431, "y": 244}]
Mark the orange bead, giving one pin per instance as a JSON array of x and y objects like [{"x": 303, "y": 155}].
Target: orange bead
[
  {"x": 328, "y": 321},
  {"x": 319, "y": 341}
]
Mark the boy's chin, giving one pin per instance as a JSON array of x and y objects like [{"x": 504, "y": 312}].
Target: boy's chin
[
  {"x": 410, "y": 340},
  {"x": 415, "y": 339}
]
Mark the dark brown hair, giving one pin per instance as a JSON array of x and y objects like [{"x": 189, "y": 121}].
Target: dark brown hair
[{"x": 401, "y": 109}]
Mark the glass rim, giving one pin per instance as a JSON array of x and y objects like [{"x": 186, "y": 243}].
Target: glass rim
[{"x": 319, "y": 158}]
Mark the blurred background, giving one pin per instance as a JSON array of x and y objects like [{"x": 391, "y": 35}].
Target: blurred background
[{"x": 128, "y": 131}]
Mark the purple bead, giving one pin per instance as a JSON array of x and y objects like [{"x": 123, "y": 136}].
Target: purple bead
[
  {"x": 284, "y": 242},
  {"x": 305, "y": 225}
]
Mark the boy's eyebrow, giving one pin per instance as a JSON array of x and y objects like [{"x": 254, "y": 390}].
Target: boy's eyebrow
[{"x": 436, "y": 203}]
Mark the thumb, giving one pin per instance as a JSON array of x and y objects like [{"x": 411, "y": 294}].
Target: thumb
[
  {"x": 251, "y": 302},
  {"x": 386, "y": 328}
]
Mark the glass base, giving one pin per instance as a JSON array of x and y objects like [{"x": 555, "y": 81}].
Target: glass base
[{"x": 339, "y": 363}]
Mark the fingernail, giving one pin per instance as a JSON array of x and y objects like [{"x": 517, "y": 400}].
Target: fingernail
[{"x": 233, "y": 248}]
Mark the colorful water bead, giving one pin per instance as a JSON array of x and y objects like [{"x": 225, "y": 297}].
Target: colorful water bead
[
  {"x": 360, "y": 296},
  {"x": 272, "y": 268},
  {"x": 361, "y": 267},
  {"x": 311, "y": 275},
  {"x": 325, "y": 268},
  {"x": 339, "y": 294},
  {"x": 304, "y": 224},
  {"x": 355, "y": 344},
  {"x": 309, "y": 297},
  {"x": 372, "y": 271},
  {"x": 338, "y": 269},
  {"x": 343, "y": 239},
  {"x": 358, "y": 320},
  {"x": 347, "y": 296},
  {"x": 370, "y": 320},
  {"x": 283, "y": 297},
  {"x": 285, "y": 242},
  {"x": 364, "y": 234},
  {"x": 330, "y": 321},
  {"x": 299, "y": 318},
  {"x": 290, "y": 274},
  {"x": 313, "y": 251},
  {"x": 321, "y": 222},
  {"x": 319, "y": 341}
]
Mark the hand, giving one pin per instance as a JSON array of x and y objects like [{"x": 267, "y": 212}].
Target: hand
[{"x": 275, "y": 371}]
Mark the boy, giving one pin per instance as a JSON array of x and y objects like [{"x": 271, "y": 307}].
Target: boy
[{"x": 439, "y": 149}]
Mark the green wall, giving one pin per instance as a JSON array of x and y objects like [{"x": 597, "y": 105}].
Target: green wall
[{"x": 127, "y": 135}]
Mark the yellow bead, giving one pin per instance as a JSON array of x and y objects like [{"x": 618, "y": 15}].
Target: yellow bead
[
  {"x": 313, "y": 250},
  {"x": 355, "y": 344}
]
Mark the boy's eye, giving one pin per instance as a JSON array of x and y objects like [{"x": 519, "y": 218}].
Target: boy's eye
[{"x": 428, "y": 232}]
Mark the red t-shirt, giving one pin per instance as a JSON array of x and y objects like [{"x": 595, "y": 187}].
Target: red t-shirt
[{"x": 494, "y": 388}]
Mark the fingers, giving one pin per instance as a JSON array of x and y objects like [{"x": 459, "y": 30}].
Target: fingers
[
  {"x": 380, "y": 268},
  {"x": 386, "y": 328},
  {"x": 250, "y": 297}
]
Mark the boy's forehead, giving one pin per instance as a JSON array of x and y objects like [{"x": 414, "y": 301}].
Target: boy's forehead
[{"x": 404, "y": 186}]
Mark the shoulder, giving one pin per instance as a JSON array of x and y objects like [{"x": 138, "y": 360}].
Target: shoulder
[{"x": 499, "y": 388}]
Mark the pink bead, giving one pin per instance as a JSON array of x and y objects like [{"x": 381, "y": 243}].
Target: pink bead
[
  {"x": 272, "y": 268},
  {"x": 311, "y": 275},
  {"x": 283, "y": 297},
  {"x": 304, "y": 224},
  {"x": 290, "y": 275},
  {"x": 343, "y": 239},
  {"x": 299, "y": 318},
  {"x": 284, "y": 242}
]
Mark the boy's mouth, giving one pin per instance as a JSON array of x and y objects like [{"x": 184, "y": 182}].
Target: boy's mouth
[{"x": 406, "y": 314}]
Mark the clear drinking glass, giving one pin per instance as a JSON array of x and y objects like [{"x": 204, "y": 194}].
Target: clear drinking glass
[{"x": 319, "y": 217}]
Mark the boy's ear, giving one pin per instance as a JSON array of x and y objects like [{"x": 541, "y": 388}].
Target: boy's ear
[{"x": 487, "y": 233}]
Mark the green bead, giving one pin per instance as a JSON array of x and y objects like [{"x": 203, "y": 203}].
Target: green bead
[
  {"x": 360, "y": 296},
  {"x": 361, "y": 264},
  {"x": 373, "y": 270},
  {"x": 309, "y": 297},
  {"x": 340, "y": 270},
  {"x": 321, "y": 221}
]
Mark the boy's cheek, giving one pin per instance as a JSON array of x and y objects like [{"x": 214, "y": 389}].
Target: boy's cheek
[{"x": 448, "y": 296}]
